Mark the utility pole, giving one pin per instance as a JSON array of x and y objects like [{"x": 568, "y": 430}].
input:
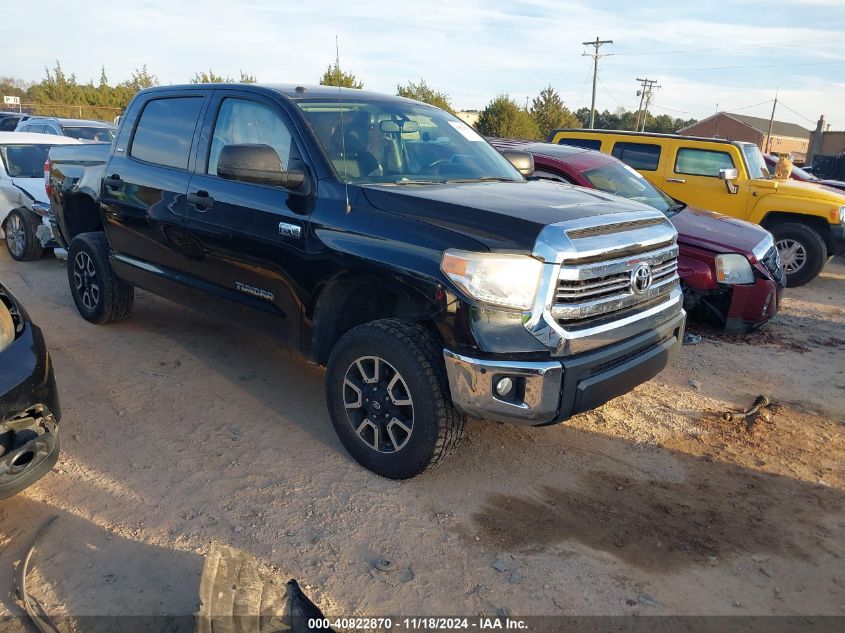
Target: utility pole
[
  {"x": 645, "y": 95},
  {"x": 771, "y": 124},
  {"x": 597, "y": 44}
]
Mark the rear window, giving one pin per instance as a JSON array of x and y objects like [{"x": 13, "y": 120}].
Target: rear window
[
  {"x": 638, "y": 155},
  {"x": 702, "y": 162},
  {"x": 586, "y": 143},
  {"x": 165, "y": 131},
  {"x": 96, "y": 134},
  {"x": 24, "y": 161}
]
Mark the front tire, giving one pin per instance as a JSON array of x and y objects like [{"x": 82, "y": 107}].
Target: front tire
[
  {"x": 802, "y": 250},
  {"x": 99, "y": 294},
  {"x": 388, "y": 398},
  {"x": 21, "y": 239}
]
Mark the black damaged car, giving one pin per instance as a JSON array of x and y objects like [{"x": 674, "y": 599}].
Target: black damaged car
[{"x": 29, "y": 403}]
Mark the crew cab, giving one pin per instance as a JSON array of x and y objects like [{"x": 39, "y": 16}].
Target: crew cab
[
  {"x": 381, "y": 237},
  {"x": 730, "y": 177},
  {"x": 730, "y": 270},
  {"x": 29, "y": 402}
]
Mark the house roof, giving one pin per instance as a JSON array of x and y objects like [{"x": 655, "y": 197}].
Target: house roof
[{"x": 779, "y": 128}]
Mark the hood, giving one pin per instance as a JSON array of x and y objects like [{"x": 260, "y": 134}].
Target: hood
[
  {"x": 716, "y": 232},
  {"x": 32, "y": 186},
  {"x": 799, "y": 189},
  {"x": 836, "y": 184},
  {"x": 505, "y": 216}
]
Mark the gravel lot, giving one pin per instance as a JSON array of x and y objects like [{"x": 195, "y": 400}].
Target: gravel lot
[{"x": 180, "y": 430}]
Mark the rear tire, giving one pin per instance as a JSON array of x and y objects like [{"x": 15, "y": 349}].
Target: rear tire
[
  {"x": 388, "y": 398},
  {"x": 802, "y": 250},
  {"x": 99, "y": 294},
  {"x": 21, "y": 240}
]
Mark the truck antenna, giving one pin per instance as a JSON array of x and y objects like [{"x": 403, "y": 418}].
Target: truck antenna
[{"x": 342, "y": 133}]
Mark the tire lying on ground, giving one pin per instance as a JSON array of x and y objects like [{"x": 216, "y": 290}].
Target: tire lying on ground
[{"x": 388, "y": 398}]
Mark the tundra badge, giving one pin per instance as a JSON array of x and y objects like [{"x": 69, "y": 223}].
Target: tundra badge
[
  {"x": 255, "y": 292},
  {"x": 290, "y": 230}
]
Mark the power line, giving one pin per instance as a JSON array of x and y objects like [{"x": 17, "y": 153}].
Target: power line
[
  {"x": 753, "y": 105},
  {"x": 610, "y": 94},
  {"x": 682, "y": 51},
  {"x": 597, "y": 45},
  {"x": 798, "y": 113},
  {"x": 687, "y": 68}
]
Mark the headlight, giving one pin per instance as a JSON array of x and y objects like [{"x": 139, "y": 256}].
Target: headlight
[
  {"x": 7, "y": 327},
  {"x": 509, "y": 281},
  {"x": 766, "y": 244},
  {"x": 841, "y": 215},
  {"x": 733, "y": 269}
]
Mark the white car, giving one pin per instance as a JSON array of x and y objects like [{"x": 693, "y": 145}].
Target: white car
[{"x": 24, "y": 207}]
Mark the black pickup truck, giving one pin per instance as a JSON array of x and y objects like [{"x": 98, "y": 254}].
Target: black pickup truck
[{"x": 383, "y": 238}]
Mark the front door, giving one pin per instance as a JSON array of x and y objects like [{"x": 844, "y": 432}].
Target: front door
[
  {"x": 251, "y": 237},
  {"x": 692, "y": 176}
]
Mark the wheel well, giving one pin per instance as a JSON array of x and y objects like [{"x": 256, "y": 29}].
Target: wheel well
[
  {"x": 780, "y": 217},
  {"x": 343, "y": 305},
  {"x": 82, "y": 215}
]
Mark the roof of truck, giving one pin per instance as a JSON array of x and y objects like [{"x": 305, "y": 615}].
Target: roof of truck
[
  {"x": 33, "y": 138},
  {"x": 295, "y": 91}
]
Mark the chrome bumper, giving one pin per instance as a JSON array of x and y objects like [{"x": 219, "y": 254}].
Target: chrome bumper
[{"x": 472, "y": 383}]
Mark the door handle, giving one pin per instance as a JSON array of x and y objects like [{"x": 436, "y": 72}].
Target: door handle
[
  {"x": 114, "y": 182},
  {"x": 201, "y": 200},
  {"x": 681, "y": 180}
]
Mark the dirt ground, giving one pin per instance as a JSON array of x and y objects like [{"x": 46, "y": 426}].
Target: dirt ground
[{"x": 180, "y": 430}]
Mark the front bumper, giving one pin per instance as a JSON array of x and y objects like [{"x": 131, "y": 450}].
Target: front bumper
[
  {"x": 552, "y": 390},
  {"x": 29, "y": 408},
  {"x": 752, "y": 305}
]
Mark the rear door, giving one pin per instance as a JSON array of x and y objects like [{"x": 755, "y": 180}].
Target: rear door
[
  {"x": 147, "y": 178},
  {"x": 692, "y": 176},
  {"x": 251, "y": 236}
]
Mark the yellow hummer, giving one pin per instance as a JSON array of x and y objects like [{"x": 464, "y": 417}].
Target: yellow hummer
[{"x": 807, "y": 220}]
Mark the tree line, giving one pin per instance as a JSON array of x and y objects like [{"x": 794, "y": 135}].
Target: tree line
[{"x": 61, "y": 94}]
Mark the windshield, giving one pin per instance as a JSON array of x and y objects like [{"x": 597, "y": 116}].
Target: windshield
[
  {"x": 755, "y": 161},
  {"x": 387, "y": 141},
  {"x": 98, "y": 134},
  {"x": 620, "y": 180},
  {"x": 24, "y": 161}
]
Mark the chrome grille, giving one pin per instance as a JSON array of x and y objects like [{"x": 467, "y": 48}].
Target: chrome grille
[
  {"x": 585, "y": 291},
  {"x": 771, "y": 262}
]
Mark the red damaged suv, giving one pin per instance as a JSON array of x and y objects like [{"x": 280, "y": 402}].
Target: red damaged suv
[{"x": 730, "y": 271}]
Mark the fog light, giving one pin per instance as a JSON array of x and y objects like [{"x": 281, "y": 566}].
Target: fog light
[{"x": 504, "y": 386}]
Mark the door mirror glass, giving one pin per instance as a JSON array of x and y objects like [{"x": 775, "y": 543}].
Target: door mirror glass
[
  {"x": 729, "y": 175},
  {"x": 258, "y": 164},
  {"x": 523, "y": 161}
]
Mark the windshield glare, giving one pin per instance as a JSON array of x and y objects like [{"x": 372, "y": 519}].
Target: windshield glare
[
  {"x": 24, "y": 161},
  {"x": 97, "y": 134},
  {"x": 621, "y": 180},
  {"x": 755, "y": 161},
  {"x": 394, "y": 142}
]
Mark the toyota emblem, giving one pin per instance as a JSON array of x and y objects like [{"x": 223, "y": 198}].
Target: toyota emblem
[{"x": 641, "y": 278}]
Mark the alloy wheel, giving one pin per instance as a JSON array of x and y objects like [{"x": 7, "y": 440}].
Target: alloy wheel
[
  {"x": 15, "y": 235},
  {"x": 378, "y": 404},
  {"x": 793, "y": 255},
  {"x": 85, "y": 280}
]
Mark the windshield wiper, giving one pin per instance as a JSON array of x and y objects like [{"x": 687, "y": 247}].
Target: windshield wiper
[
  {"x": 484, "y": 179},
  {"x": 407, "y": 181},
  {"x": 676, "y": 208}
]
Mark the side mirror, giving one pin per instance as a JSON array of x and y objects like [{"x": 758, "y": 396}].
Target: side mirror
[
  {"x": 729, "y": 175},
  {"x": 258, "y": 164},
  {"x": 523, "y": 161}
]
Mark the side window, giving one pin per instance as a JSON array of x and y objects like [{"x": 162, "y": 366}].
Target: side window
[
  {"x": 586, "y": 143},
  {"x": 702, "y": 162},
  {"x": 245, "y": 122},
  {"x": 8, "y": 124},
  {"x": 542, "y": 174},
  {"x": 165, "y": 131},
  {"x": 49, "y": 129},
  {"x": 638, "y": 155}
]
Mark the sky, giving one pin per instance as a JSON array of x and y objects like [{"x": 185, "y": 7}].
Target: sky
[{"x": 732, "y": 56}]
